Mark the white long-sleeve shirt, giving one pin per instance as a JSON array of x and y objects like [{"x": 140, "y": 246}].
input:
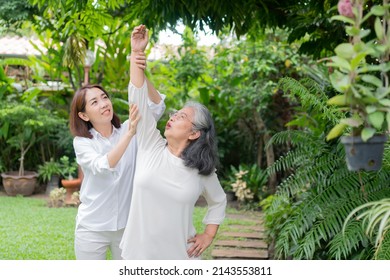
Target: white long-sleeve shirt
[
  {"x": 164, "y": 196},
  {"x": 106, "y": 192}
]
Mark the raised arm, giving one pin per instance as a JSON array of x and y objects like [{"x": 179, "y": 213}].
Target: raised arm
[
  {"x": 139, "y": 59},
  {"x": 139, "y": 40}
]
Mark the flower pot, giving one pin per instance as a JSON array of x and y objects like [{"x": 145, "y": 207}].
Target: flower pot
[
  {"x": 52, "y": 184},
  {"x": 362, "y": 155},
  {"x": 71, "y": 186},
  {"x": 22, "y": 185}
]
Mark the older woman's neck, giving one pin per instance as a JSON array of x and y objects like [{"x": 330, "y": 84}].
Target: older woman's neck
[{"x": 176, "y": 148}]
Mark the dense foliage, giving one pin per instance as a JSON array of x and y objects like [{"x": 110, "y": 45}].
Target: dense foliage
[
  {"x": 306, "y": 216},
  {"x": 263, "y": 125},
  {"x": 307, "y": 20}
]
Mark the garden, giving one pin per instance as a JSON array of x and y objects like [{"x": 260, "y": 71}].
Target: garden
[{"x": 294, "y": 91}]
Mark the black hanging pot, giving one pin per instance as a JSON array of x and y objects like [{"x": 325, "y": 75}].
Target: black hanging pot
[{"x": 362, "y": 155}]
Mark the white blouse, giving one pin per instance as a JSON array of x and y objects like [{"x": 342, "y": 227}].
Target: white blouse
[
  {"x": 105, "y": 193},
  {"x": 165, "y": 192}
]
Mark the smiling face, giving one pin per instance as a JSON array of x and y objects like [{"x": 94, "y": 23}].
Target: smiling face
[{"x": 98, "y": 108}]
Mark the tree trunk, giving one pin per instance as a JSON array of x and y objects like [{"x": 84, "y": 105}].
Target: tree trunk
[{"x": 265, "y": 138}]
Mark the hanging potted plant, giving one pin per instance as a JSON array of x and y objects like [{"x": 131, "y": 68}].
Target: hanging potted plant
[{"x": 361, "y": 77}]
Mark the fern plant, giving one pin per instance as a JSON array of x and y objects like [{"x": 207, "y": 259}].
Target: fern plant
[
  {"x": 305, "y": 218},
  {"x": 376, "y": 219}
]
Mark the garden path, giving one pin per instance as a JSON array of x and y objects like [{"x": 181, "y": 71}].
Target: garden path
[
  {"x": 242, "y": 242},
  {"x": 244, "y": 238}
]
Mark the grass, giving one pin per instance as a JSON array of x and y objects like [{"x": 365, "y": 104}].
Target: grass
[{"x": 30, "y": 230}]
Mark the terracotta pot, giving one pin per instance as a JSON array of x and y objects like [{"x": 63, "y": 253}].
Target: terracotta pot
[
  {"x": 22, "y": 185},
  {"x": 71, "y": 186}
]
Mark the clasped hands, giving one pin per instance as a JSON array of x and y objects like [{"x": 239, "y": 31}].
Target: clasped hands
[{"x": 139, "y": 41}]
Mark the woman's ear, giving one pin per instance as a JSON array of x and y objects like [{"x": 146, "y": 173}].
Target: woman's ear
[
  {"x": 83, "y": 116},
  {"x": 194, "y": 135}
]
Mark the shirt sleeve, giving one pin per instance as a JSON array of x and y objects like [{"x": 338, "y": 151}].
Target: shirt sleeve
[
  {"x": 87, "y": 157},
  {"x": 157, "y": 109},
  {"x": 148, "y": 136},
  {"x": 216, "y": 199}
]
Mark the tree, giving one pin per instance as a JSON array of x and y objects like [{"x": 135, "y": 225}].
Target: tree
[
  {"x": 305, "y": 20},
  {"x": 14, "y": 13}
]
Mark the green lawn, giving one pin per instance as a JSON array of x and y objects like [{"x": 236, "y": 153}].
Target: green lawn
[{"x": 29, "y": 230}]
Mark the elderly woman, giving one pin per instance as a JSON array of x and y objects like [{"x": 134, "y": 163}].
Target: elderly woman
[{"x": 171, "y": 174}]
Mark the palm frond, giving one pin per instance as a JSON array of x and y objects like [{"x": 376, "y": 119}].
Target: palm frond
[
  {"x": 75, "y": 47},
  {"x": 375, "y": 217},
  {"x": 383, "y": 251},
  {"x": 350, "y": 240},
  {"x": 311, "y": 97}
]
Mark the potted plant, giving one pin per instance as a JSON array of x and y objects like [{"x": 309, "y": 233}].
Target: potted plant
[
  {"x": 361, "y": 77},
  {"x": 72, "y": 177},
  {"x": 22, "y": 126},
  {"x": 50, "y": 172}
]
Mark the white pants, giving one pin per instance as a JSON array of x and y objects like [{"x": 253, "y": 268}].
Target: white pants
[{"x": 93, "y": 245}]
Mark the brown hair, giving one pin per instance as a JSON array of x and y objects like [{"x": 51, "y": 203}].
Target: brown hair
[{"x": 79, "y": 127}]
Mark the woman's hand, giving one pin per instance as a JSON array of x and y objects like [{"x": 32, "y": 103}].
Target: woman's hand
[
  {"x": 139, "y": 38},
  {"x": 140, "y": 60},
  {"x": 133, "y": 119},
  {"x": 201, "y": 243}
]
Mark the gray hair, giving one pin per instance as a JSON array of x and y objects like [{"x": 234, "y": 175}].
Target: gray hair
[{"x": 202, "y": 153}]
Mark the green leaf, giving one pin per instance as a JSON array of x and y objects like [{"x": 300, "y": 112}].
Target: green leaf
[
  {"x": 379, "y": 29},
  {"x": 204, "y": 95},
  {"x": 388, "y": 120},
  {"x": 340, "y": 63},
  {"x": 336, "y": 131},
  {"x": 372, "y": 80},
  {"x": 371, "y": 109},
  {"x": 370, "y": 100},
  {"x": 4, "y": 130},
  {"x": 352, "y": 122},
  {"x": 339, "y": 100},
  {"x": 378, "y": 10},
  {"x": 376, "y": 119},
  {"x": 345, "y": 50},
  {"x": 343, "y": 19},
  {"x": 367, "y": 133},
  {"x": 352, "y": 30},
  {"x": 358, "y": 60},
  {"x": 15, "y": 61},
  {"x": 340, "y": 81},
  {"x": 355, "y": 91},
  {"x": 385, "y": 102},
  {"x": 364, "y": 32}
]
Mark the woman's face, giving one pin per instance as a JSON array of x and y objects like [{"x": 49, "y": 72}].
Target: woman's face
[
  {"x": 98, "y": 108},
  {"x": 180, "y": 125}
]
